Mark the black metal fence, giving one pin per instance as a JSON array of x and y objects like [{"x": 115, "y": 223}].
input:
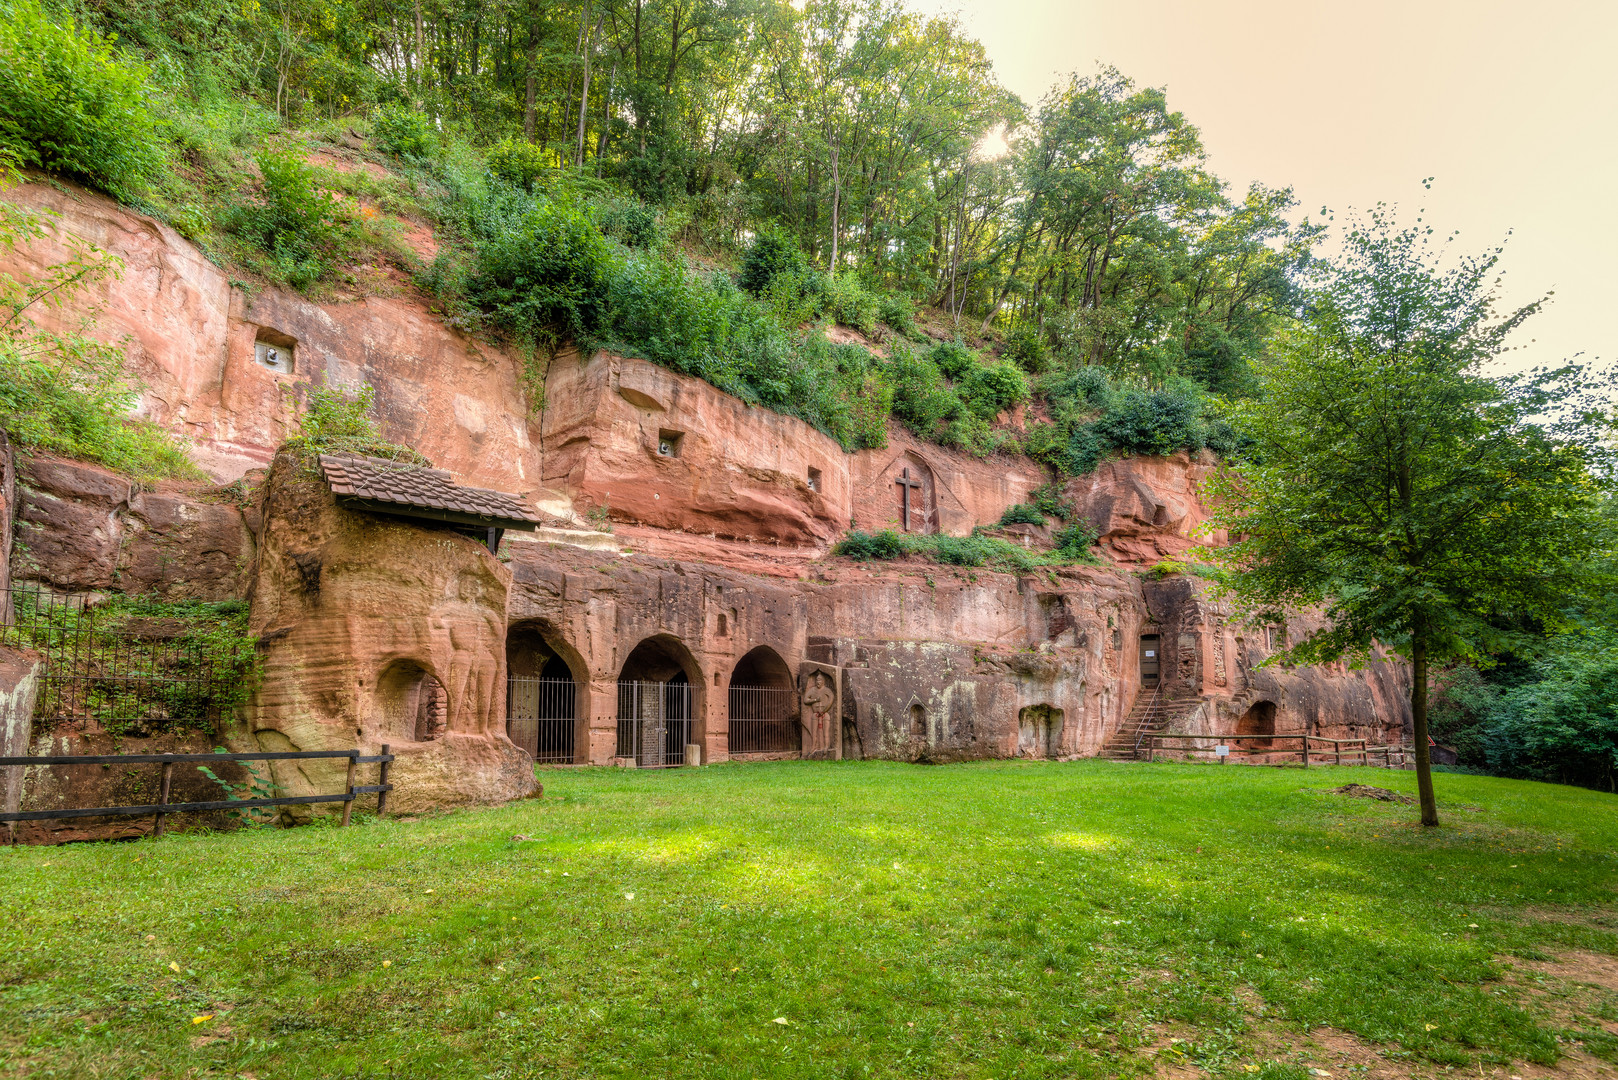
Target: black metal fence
[
  {"x": 654, "y": 722},
  {"x": 130, "y": 664},
  {"x": 162, "y": 808},
  {"x": 763, "y": 720},
  {"x": 541, "y": 715}
]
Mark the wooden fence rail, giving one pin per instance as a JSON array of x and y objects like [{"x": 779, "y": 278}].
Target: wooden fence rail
[
  {"x": 1305, "y": 746},
  {"x": 163, "y": 807}
]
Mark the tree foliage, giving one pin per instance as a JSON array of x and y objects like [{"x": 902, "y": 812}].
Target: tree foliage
[{"x": 1392, "y": 482}]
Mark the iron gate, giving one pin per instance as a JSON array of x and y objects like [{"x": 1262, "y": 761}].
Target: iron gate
[
  {"x": 654, "y": 722},
  {"x": 763, "y": 720},
  {"x": 541, "y": 715}
]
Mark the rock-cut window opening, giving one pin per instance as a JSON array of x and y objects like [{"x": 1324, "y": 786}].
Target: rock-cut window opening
[
  {"x": 542, "y": 698},
  {"x": 1039, "y": 731},
  {"x": 657, "y": 702},
  {"x": 763, "y": 705}
]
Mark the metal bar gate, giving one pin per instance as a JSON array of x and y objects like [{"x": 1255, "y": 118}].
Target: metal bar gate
[
  {"x": 541, "y": 715},
  {"x": 763, "y": 720},
  {"x": 654, "y": 722}
]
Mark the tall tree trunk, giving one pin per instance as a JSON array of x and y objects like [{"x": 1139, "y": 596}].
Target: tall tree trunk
[
  {"x": 532, "y": 76},
  {"x": 584, "y": 94},
  {"x": 836, "y": 206},
  {"x": 1418, "y": 712}
]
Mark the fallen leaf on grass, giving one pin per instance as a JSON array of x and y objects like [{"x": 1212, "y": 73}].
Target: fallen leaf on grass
[
  {"x": 781, "y": 1020},
  {"x": 174, "y": 966},
  {"x": 202, "y": 1019}
]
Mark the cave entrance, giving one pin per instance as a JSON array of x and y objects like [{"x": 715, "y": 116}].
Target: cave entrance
[
  {"x": 1150, "y": 659},
  {"x": 1039, "y": 731},
  {"x": 658, "y": 691},
  {"x": 763, "y": 705},
  {"x": 410, "y": 704},
  {"x": 542, "y": 696},
  {"x": 1258, "y": 723}
]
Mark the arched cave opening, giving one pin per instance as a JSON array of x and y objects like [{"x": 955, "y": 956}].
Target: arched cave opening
[
  {"x": 659, "y": 695},
  {"x": 1039, "y": 731},
  {"x": 1258, "y": 722},
  {"x": 410, "y": 704},
  {"x": 763, "y": 705},
  {"x": 918, "y": 722},
  {"x": 542, "y": 695}
]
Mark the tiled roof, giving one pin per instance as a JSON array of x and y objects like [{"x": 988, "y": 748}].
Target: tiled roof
[{"x": 414, "y": 491}]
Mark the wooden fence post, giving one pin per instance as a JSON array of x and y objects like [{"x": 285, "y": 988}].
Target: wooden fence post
[
  {"x": 1306, "y": 749},
  {"x": 163, "y": 794},
  {"x": 1337, "y": 751},
  {"x": 348, "y": 806},
  {"x": 382, "y": 781}
]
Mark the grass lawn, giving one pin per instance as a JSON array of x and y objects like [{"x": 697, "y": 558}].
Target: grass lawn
[{"x": 866, "y": 919}]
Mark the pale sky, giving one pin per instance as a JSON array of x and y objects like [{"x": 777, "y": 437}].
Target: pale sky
[{"x": 1512, "y": 107}]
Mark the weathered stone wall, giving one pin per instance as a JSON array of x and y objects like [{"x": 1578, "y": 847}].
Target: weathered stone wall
[
  {"x": 83, "y": 528},
  {"x": 358, "y": 616}
]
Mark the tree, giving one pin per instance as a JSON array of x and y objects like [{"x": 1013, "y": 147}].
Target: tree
[{"x": 1392, "y": 483}]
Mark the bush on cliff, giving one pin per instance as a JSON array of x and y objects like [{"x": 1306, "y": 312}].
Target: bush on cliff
[
  {"x": 70, "y": 105},
  {"x": 338, "y": 420},
  {"x": 64, "y": 392},
  {"x": 973, "y": 550}
]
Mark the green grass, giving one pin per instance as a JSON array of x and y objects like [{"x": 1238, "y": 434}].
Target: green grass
[{"x": 989, "y": 920}]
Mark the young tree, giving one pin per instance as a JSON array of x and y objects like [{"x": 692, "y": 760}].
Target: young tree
[{"x": 1393, "y": 484}]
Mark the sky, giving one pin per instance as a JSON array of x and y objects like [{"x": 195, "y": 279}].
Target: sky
[{"x": 1511, "y": 107}]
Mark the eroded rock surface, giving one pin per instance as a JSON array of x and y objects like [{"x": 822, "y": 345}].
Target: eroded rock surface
[{"x": 379, "y": 630}]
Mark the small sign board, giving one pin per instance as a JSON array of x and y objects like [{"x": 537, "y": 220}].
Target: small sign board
[
  {"x": 1222, "y": 751},
  {"x": 1150, "y": 654}
]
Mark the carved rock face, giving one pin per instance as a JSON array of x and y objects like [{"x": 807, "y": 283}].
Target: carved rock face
[{"x": 378, "y": 630}]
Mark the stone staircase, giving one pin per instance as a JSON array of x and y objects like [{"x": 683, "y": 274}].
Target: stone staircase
[{"x": 1152, "y": 714}]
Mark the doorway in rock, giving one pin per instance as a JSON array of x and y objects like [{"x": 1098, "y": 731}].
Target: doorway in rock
[
  {"x": 1258, "y": 724},
  {"x": 659, "y": 691},
  {"x": 763, "y": 706},
  {"x": 1039, "y": 731},
  {"x": 1151, "y": 660},
  {"x": 542, "y": 697}
]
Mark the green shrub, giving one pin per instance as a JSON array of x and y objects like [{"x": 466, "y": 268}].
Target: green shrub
[
  {"x": 1048, "y": 500},
  {"x": 338, "y": 420},
  {"x": 630, "y": 222},
  {"x": 543, "y": 278},
  {"x": 1022, "y": 514},
  {"x": 897, "y": 313},
  {"x": 990, "y": 389},
  {"x": 886, "y": 544},
  {"x": 1025, "y": 347},
  {"x": 70, "y": 106},
  {"x": 404, "y": 132},
  {"x": 954, "y": 359},
  {"x": 302, "y": 228},
  {"x": 921, "y": 398},
  {"x": 1073, "y": 541},
  {"x": 850, "y": 303},
  {"x": 1083, "y": 452},
  {"x": 1154, "y": 422},
  {"x": 518, "y": 162},
  {"x": 796, "y": 297},
  {"x": 773, "y": 252}
]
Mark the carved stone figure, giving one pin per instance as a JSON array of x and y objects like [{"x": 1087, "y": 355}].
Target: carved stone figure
[{"x": 819, "y": 699}]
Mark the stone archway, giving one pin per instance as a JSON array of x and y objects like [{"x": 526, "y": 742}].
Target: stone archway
[
  {"x": 762, "y": 705},
  {"x": 545, "y": 710},
  {"x": 660, "y": 699}
]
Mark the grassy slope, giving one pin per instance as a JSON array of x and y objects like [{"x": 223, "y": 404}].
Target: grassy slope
[{"x": 976, "y": 921}]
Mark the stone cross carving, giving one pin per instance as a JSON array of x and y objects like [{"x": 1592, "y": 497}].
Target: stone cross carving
[{"x": 906, "y": 483}]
